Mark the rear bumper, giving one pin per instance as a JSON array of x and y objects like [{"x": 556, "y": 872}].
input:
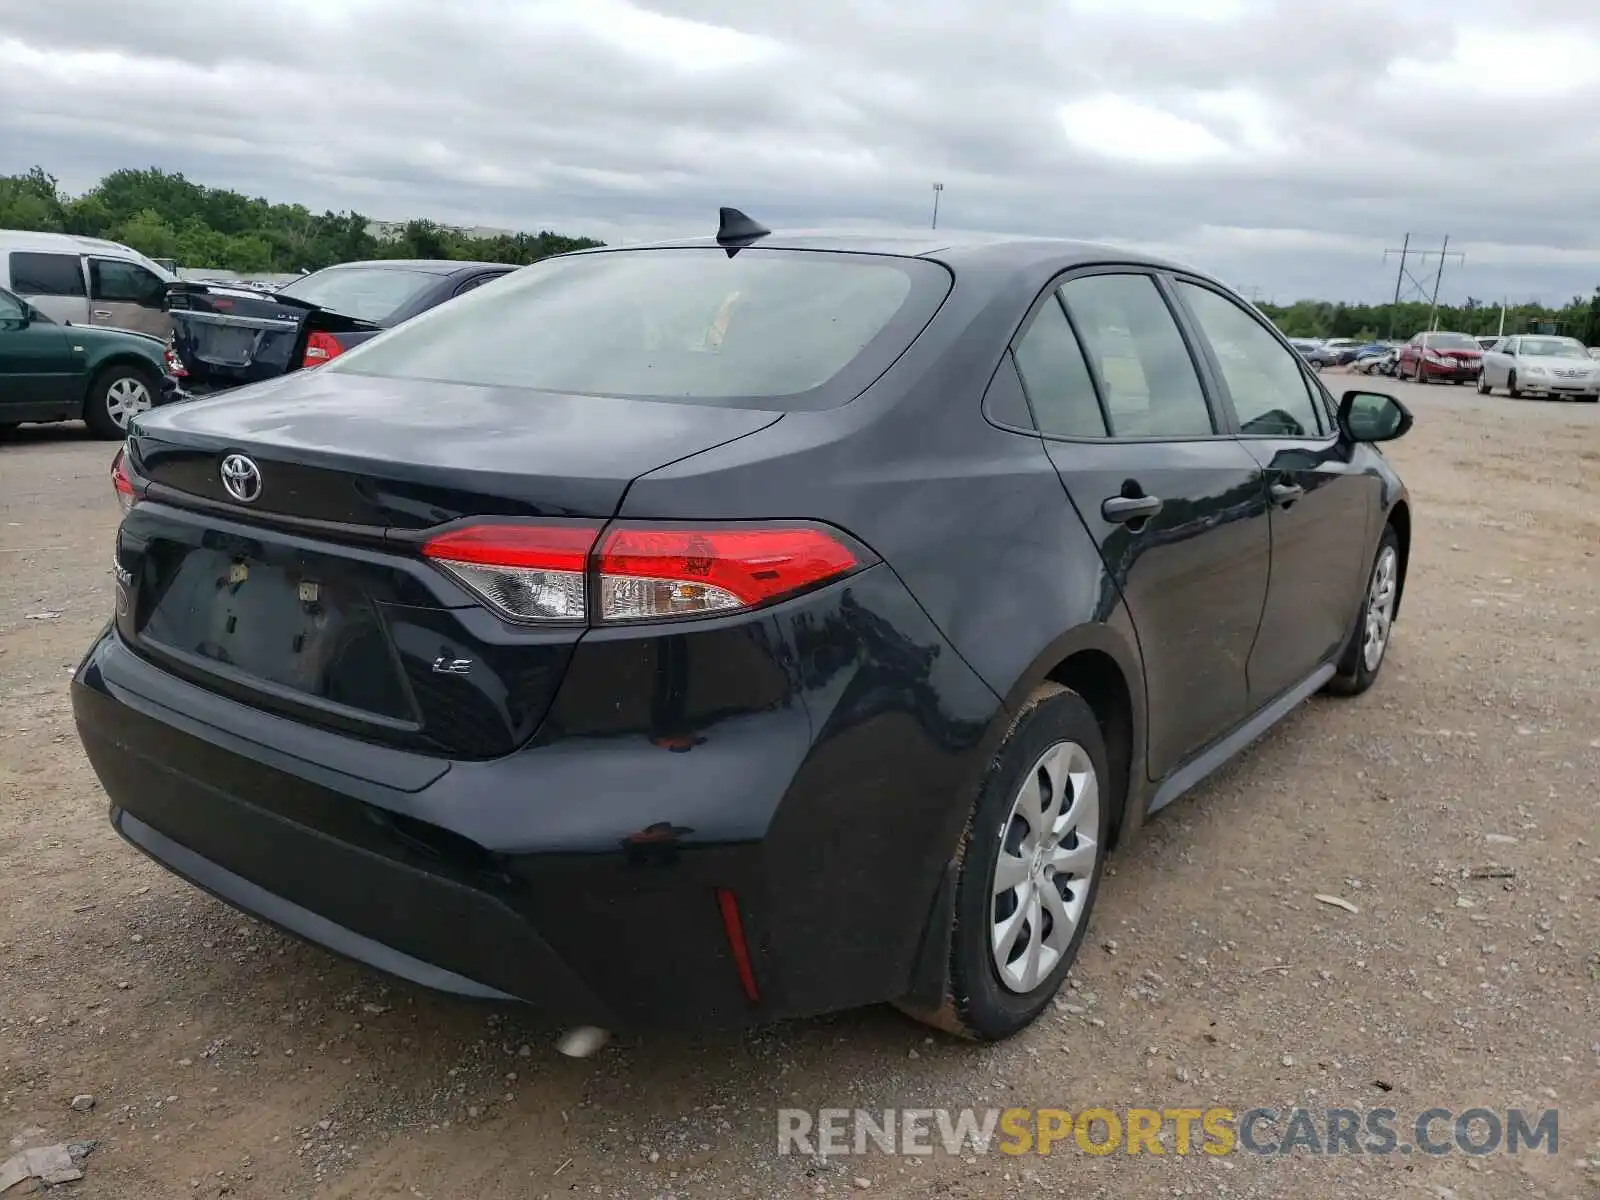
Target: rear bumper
[{"x": 581, "y": 874}]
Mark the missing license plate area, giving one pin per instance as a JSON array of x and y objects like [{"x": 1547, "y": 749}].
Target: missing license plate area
[
  {"x": 228, "y": 346},
  {"x": 276, "y": 624}
]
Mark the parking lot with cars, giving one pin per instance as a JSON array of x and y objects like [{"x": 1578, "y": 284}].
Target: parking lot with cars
[{"x": 1450, "y": 811}]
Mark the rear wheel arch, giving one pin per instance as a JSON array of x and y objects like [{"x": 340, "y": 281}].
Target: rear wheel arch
[
  {"x": 1098, "y": 678},
  {"x": 1101, "y": 663}
]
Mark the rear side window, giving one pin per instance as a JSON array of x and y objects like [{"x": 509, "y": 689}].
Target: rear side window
[
  {"x": 1057, "y": 378},
  {"x": 46, "y": 274},
  {"x": 1151, "y": 387},
  {"x": 783, "y": 329},
  {"x": 118, "y": 282},
  {"x": 1264, "y": 379}
]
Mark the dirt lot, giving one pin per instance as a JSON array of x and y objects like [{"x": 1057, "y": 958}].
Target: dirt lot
[{"x": 226, "y": 1059}]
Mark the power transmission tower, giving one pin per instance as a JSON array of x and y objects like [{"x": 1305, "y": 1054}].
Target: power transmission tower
[{"x": 1418, "y": 286}]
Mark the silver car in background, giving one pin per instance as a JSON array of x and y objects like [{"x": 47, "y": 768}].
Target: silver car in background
[{"x": 1540, "y": 365}]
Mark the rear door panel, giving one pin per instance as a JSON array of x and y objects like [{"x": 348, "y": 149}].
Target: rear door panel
[
  {"x": 1113, "y": 388},
  {"x": 125, "y": 295},
  {"x": 1194, "y": 576}
]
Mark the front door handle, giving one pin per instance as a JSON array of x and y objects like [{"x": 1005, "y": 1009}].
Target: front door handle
[
  {"x": 1120, "y": 510},
  {"x": 1285, "y": 494}
]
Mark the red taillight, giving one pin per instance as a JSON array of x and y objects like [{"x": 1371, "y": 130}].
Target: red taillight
[
  {"x": 670, "y": 571},
  {"x": 174, "y": 364},
  {"x": 525, "y": 572},
  {"x": 121, "y": 482},
  {"x": 320, "y": 347},
  {"x": 547, "y": 572}
]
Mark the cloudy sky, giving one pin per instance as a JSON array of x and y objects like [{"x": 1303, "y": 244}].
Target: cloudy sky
[{"x": 1281, "y": 143}]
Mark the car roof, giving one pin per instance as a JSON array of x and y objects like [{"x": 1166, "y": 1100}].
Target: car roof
[
  {"x": 956, "y": 248},
  {"x": 432, "y": 266},
  {"x": 27, "y": 239}
]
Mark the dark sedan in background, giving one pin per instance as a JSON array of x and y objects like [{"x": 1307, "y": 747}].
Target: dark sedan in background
[
  {"x": 735, "y": 629},
  {"x": 226, "y": 336}
]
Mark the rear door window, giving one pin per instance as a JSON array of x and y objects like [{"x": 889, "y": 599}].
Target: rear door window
[
  {"x": 1149, "y": 381},
  {"x": 119, "y": 282},
  {"x": 46, "y": 274},
  {"x": 786, "y": 329},
  {"x": 1056, "y": 377}
]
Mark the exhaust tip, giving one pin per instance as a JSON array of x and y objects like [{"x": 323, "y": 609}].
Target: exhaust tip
[{"x": 583, "y": 1041}]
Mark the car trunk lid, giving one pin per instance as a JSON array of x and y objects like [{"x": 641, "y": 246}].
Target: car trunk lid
[
  {"x": 228, "y": 336},
  {"x": 312, "y": 599}
]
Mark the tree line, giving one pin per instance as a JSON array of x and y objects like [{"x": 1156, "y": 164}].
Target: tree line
[
  {"x": 164, "y": 215},
  {"x": 168, "y": 216},
  {"x": 1580, "y": 318}
]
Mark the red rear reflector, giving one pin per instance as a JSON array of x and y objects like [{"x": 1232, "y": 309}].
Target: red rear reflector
[
  {"x": 320, "y": 347},
  {"x": 524, "y": 572},
  {"x": 733, "y": 927},
  {"x": 665, "y": 571}
]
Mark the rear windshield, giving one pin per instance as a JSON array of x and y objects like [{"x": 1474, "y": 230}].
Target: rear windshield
[
  {"x": 367, "y": 293},
  {"x": 782, "y": 329}
]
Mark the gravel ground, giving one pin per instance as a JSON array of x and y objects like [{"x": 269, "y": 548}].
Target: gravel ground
[{"x": 225, "y": 1059}]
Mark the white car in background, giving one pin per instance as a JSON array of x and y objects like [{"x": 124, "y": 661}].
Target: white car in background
[
  {"x": 1541, "y": 365},
  {"x": 86, "y": 281}
]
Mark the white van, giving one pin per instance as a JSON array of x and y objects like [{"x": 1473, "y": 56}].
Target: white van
[{"x": 87, "y": 281}]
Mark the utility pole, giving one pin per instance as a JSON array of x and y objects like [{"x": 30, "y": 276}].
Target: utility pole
[
  {"x": 1405, "y": 248},
  {"x": 1438, "y": 274},
  {"x": 937, "y": 188},
  {"x": 1417, "y": 287}
]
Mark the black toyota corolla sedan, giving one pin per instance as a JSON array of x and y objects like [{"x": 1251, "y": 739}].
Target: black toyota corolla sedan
[{"x": 720, "y": 631}]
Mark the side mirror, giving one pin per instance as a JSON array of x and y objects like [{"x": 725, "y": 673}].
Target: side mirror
[{"x": 1373, "y": 417}]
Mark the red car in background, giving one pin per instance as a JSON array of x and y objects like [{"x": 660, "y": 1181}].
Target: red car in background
[{"x": 1440, "y": 358}]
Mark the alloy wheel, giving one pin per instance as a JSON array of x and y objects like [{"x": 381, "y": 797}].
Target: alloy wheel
[
  {"x": 1046, "y": 859},
  {"x": 1380, "y": 608},
  {"x": 126, "y": 398}
]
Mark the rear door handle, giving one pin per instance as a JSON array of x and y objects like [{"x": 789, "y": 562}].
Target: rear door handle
[
  {"x": 1119, "y": 510},
  {"x": 1285, "y": 494},
  {"x": 101, "y": 312}
]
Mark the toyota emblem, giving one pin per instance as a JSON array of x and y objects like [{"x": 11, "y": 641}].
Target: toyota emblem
[{"x": 242, "y": 478}]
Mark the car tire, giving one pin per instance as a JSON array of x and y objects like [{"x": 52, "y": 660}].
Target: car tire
[
  {"x": 114, "y": 398},
  {"x": 1512, "y": 389},
  {"x": 1363, "y": 657},
  {"x": 1483, "y": 384},
  {"x": 1053, "y": 750}
]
